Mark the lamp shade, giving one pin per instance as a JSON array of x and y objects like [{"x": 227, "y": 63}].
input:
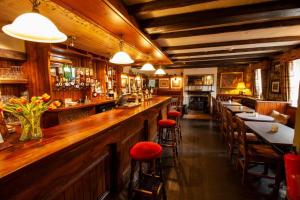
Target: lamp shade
[
  {"x": 121, "y": 58},
  {"x": 160, "y": 71},
  {"x": 34, "y": 27},
  {"x": 241, "y": 85},
  {"x": 147, "y": 67}
]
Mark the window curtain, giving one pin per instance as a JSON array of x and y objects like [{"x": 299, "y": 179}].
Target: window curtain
[{"x": 286, "y": 81}]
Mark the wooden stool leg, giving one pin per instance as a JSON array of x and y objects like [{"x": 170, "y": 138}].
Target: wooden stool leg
[
  {"x": 130, "y": 187},
  {"x": 159, "y": 166},
  {"x": 179, "y": 128},
  {"x": 153, "y": 172}
]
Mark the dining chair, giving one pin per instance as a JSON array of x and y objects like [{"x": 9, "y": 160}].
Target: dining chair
[
  {"x": 233, "y": 134},
  {"x": 215, "y": 112},
  {"x": 175, "y": 104},
  {"x": 250, "y": 154},
  {"x": 224, "y": 123}
]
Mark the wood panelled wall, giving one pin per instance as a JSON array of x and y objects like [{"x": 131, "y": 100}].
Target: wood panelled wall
[{"x": 37, "y": 68}]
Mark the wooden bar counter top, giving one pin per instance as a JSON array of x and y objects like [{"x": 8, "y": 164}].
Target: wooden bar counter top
[{"x": 84, "y": 159}]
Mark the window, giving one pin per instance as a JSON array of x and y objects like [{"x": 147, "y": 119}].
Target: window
[
  {"x": 294, "y": 80},
  {"x": 258, "y": 83}
]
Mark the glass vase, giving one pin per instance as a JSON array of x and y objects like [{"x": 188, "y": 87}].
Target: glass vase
[
  {"x": 25, "y": 129},
  {"x": 36, "y": 131},
  {"x": 31, "y": 127}
]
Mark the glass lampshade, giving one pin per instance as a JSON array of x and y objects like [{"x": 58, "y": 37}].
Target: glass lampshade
[
  {"x": 34, "y": 27},
  {"x": 121, "y": 58},
  {"x": 147, "y": 67},
  {"x": 160, "y": 71}
]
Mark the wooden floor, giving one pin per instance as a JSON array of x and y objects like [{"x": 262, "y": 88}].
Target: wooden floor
[{"x": 205, "y": 171}]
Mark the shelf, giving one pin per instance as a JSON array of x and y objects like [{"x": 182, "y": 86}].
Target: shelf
[{"x": 13, "y": 81}]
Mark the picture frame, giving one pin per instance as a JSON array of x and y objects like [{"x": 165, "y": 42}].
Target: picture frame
[
  {"x": 276, "y": 67},
  {"x": 152, "y": 83},
  {"x": 124, "y": 82},
  {"x": 275, "y": 86},
  {"x": 176, "y": 83},
  {"x": 230, "y": 80},
  {"x": 164, "y": 83}
]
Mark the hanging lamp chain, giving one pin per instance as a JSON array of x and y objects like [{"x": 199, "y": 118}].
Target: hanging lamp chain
[{"x": 35, "y": 5}]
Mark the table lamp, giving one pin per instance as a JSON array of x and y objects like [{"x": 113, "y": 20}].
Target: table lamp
[{"x": 241, "y": 86}]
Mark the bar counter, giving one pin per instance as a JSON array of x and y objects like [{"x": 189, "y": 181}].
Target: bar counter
[
  {"x": 84, "y": 105},
  {"x": 87, "y": 158}
]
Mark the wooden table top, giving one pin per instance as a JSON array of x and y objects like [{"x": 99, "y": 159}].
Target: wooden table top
[
  {"x": 257, "y": 117},
  {"x": 284, "y": 136},
  {"x": 60, "y": 137},
  {"x": 240, "y": 109},
  {"x": 232, "y": 103}
]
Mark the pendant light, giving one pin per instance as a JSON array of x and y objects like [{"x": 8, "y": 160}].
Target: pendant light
[
  {"x": 160, "y": 71},
  {"x": 34, "y": 27},
  {"x": 121, "y": 57},
  {"x": 147, "y": 66}
]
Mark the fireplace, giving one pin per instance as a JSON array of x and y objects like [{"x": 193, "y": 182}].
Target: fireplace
[
  {"x": 199, "y": 101},
  {"x": 198, "y": 90}
]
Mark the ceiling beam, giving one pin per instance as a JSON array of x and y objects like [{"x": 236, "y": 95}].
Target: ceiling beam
[
  {"x": 207, "y": 66},
  {"x": 216, "y": 62},
  {"x": 225, "y": 58},
  {"x": 234, "y": 43},
  {"x": 223, "y": 16},
  {"x": 228, "y": 29},
  {"x": 230, "y": 51},
  {"x": 142, "y": 8}
]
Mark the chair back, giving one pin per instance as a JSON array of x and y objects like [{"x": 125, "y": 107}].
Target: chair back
[
  {"x": 242, "y": 135},
  {"x": 292, "y": 172},
  {"x": 175, "y": 104}
]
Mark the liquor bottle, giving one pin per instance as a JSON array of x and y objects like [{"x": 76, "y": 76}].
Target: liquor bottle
[{"x": 82, "y": 78}]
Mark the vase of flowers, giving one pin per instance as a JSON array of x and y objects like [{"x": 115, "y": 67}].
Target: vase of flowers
[{"x": 29, "y": 114}]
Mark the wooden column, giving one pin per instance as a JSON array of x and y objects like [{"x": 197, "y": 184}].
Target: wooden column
[{"x": 37, "y": 68}]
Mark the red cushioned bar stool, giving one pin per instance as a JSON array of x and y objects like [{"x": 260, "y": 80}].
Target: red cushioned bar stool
[
  {"x": 167, "y": 136},
  {"x": 150, "y": 184},
  {"x": 176, "y": 115}
]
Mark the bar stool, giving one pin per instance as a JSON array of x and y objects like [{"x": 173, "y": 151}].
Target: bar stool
[
  {"x": 175, "y": 115},
  {"x": 150, "y": 185},
  {"x": 167, "y": 136}
]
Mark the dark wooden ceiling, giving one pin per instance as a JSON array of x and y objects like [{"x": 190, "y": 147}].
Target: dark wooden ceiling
[{"x": 203, "y": 33}]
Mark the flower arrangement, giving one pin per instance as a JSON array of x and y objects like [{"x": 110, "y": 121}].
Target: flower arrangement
[{"x": 29, "y": 113}]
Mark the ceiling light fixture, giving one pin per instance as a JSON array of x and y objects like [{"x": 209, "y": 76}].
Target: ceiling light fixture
[
  {"x": 160, "y": 71},
  {"x": 121, "y": 57},
  {"x": 34, "y": 27},
  {"x": 147, "y": 66}
]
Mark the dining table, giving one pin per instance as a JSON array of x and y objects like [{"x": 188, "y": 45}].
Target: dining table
[
  {"x": 255, "y": 117},
  {"x": 230, "y": 103},
  {"x": 240, "y": 109},
  {"x": 282, "y": 137}
]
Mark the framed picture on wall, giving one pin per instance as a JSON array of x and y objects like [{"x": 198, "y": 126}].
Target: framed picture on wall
[
  {"x": 164, "y": 83},
  {"x": 124, "y": 81},
  {"x": 230, "y": 80},
  {"x": 151, "y": 83},
  {"x": 276, "y": 67},
  {"x": 275, "y": 86},
  {"x": 176, "y": 83}
]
